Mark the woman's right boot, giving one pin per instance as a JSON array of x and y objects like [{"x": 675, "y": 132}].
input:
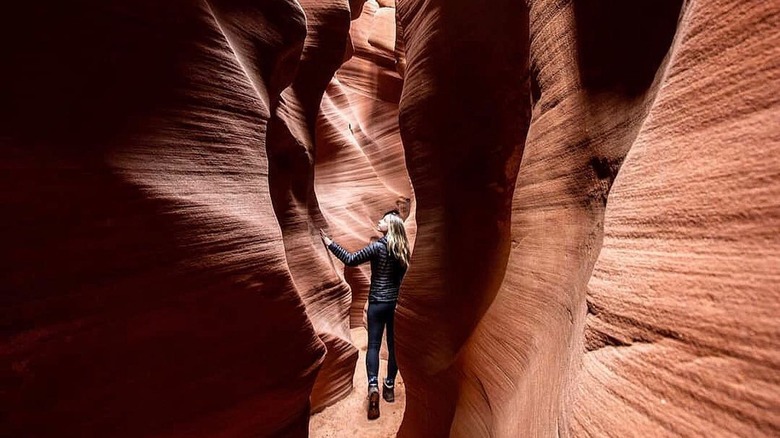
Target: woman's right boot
[
  {"x": 373, "y": 402},
  {"x": 388, "y": 391}
]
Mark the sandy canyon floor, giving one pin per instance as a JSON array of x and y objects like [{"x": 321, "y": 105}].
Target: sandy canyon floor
[{"x": 347, "y": 418}]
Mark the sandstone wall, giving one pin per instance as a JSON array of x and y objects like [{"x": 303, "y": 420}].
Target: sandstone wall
[
  {"x": 163, "y": 268},
  {"x": 465, "y": 108},
  {"x": 146, "y": 289},
  {"x": 672, "y": 333},
  {"x": 360, "y": 164},
  {"x": 682, "y": 333},
  {"x": 291, "y": 150},
  {"x": 596, "y": 186}
]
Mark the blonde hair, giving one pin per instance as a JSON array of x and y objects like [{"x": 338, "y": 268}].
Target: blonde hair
[{"x": 397, "y": 243}]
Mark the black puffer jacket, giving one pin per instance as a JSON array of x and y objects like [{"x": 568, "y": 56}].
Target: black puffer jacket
[{"x": 386, "y": 271}]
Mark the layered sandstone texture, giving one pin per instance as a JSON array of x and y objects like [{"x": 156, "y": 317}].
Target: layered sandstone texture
[
  {"x": 596, "y": 186},
  {"x": 360, "y": 170},
  {"x": 291, "y": 150},
  {"x": 336, "y": 162},
  {"x": 162, "y": 269},
  {"x": 622, "y": 280}
]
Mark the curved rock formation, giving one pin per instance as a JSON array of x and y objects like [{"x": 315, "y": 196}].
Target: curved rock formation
[
  {"x": 508, "y": 349},
  {"x": 596, "y": 185},
  {"x": 464, "y": 110},
  {"x": 360, "y": 165},
  {"x": 682, "y": 336},
  {"x": 291, "y": 151},
  {"x": 145, "y": 287},
  {"x": 158, "y": 254}
]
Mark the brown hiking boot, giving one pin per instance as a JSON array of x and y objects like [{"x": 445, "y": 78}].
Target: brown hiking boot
[
  {"x": 373, "y": 402},
  {"x": 388, "y": 392}
]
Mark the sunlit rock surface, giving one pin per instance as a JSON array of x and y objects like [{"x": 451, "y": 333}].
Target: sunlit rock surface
[
  {"x": 360, "y": 165},
  {"x": 596, "y": 186},
  {"x": 675, "y": 330}
]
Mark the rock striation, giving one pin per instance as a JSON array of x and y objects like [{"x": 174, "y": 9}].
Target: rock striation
[
  {"x": 681, "y": 334},
  {"x": 163, "y": 272},
  {"x": 592, "y": 190},
  {"x": 291, "y": 150},
  {"x": 360, "y": 170},
  {"x": 638, "y": 119},
  {"x": 146, "y": 290}
]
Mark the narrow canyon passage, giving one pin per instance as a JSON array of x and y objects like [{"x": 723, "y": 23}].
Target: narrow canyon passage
[{"x": 591, "y": 190}]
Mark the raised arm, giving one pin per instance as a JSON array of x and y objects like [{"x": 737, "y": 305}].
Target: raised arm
[{"x": 355, "y": 258}]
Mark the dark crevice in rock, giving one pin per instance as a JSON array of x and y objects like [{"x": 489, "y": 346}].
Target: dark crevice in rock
[
  {"x": 604, "y": 168},
  {"x": 536, "y": 91},
  {"x": 621, "y": 44},
  {"x": 592, "y": 309}
]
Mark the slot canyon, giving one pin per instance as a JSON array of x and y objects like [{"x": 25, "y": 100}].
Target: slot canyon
[{"x": 591, "y": 191}]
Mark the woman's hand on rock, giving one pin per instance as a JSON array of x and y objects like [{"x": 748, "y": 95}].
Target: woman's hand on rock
[{"x": 325, "y": 237}]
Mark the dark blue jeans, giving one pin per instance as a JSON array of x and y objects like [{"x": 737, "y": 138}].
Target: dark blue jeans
[{"x": 380, "y": 315}]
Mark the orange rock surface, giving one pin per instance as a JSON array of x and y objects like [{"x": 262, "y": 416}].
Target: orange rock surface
[
  {"x": 592, "y": 190},
  {"x": 360, "y": 168},
  {"x": 165, "y": 273},
  {"x": 291, "y": 151},
  {"x": 675, "y": 330}
]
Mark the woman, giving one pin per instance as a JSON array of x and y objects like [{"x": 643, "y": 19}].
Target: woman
[{"x": 389, "y": 258}]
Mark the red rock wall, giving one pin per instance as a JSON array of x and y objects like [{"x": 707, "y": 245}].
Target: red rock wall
[
  {"x": 682, "y": 335},
  {"x": 360, "y": 165},
  {"x": 164, "y": 271},
  {"x": 166, "y": 168},
  {"x": 672, "y": 333},
  {"x": 464, "y": 112},
  {"x": 146, "y": 289},
  {"x": 291, "y": 151}
]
